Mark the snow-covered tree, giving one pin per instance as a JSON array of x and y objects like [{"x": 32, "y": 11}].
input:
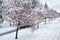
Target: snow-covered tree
[
  {"x": 1, "y": 10},
  {"x": 21, "y": 11},
  {"x": 35, "y": 3},
  {"x": 25, "y": 12},
  {"x": 45, "y": 12}
]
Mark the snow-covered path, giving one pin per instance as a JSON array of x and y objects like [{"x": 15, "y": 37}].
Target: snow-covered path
[{"x": 49, "y": 31}]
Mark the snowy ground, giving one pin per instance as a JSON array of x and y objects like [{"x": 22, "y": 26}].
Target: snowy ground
[
  {"x": 49, "y": 31},
  {"x": 4, "y": 24},
  {"x": 3, "y": 30},
  {"x": 5, "y": 27}
]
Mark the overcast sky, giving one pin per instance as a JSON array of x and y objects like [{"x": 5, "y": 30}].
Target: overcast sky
[{"x": 54, "y": 4}]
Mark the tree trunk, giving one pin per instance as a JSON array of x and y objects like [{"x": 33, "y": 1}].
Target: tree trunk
[
  {"x": 16, "y": 33},
  {"x": 10, "y": 24},
  {"x": 45, "y": 20}
]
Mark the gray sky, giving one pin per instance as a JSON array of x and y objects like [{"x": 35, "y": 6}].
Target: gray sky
[{"x": 54, "y": 4}]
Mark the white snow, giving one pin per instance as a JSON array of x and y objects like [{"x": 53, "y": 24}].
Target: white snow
[
  {"x": 49, "y": 31},
  {"x": 3, "y": 30},
  {"x": 5, "y": 24},
  {"x": 6, "y": 27}
]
